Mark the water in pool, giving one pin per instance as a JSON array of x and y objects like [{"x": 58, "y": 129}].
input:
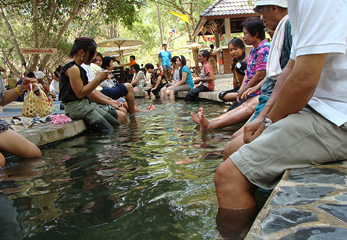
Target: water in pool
[{"x": 150, "y": 179}]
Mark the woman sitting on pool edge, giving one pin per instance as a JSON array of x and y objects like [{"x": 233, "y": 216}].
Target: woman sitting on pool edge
[
  {"x": 139, "y": 80},
  {"x": 238, "y": 68},
  {"x": 74, "y": 88},
  {"x": 185, "y": 81},
  {"x": 158, "y": 81}
]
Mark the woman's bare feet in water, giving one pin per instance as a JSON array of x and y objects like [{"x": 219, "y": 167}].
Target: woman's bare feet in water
[
  {"x": 201, "y": 120},
  {"x": 151, "y": 107}
]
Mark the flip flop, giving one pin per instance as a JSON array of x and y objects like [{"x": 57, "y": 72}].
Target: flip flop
[
  {"x": 16, "y": 121},
  {"x": 37, "y": 120}
]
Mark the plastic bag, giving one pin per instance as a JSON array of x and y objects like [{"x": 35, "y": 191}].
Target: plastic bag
[
  {"x": 43, "y": 105},
  {"x": 29, "y": 104}
]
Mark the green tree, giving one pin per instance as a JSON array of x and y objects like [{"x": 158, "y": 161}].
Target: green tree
[
  {"x": 192, "y": 8},
  {"x": 44, "y": 24}
]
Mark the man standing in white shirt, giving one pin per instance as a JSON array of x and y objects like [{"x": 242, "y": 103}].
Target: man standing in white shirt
[{"x": 304, "y": 121}]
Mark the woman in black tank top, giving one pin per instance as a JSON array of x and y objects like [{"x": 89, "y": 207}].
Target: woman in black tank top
[{"x": 74, "y": 88}]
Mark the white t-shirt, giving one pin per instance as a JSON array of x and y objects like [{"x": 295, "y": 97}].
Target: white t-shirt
[
  {"x": 176, "y": 74},
  {"x": 54, "y": 87},
  {"x": 91, "y": 74},
  {"x": 320, "y": 27}
]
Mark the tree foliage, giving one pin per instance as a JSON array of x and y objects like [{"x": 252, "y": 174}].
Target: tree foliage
[{"x": 46, "y": 24}]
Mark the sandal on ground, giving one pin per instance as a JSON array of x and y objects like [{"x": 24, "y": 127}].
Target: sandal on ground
[
  {"x": 34, "y": 122},
  {"x": 16, "y": 121},
  {"x": 37, "y": 120}
]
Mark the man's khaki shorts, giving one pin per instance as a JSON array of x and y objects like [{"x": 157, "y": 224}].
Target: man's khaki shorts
[{"x": 297, "y": 141}]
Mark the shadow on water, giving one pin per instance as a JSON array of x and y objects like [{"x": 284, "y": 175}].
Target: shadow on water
[{"x": 150, "y": 179}]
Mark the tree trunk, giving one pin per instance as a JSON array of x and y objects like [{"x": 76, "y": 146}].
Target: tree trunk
[
  {"x": 35, "y": 60},
  {"x": 10, "y": 66},
  {"x": 160, "y": 27},
  {"x": 45, "y": 37},
  {"x": 15, "y": 43},
  {"x": 60, "y": 34}
]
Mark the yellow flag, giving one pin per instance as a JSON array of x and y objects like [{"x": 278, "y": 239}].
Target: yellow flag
[{"x": 183, "y": 17}]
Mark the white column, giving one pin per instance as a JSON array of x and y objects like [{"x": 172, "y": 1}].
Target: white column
[{"x": 227, "y": 30}]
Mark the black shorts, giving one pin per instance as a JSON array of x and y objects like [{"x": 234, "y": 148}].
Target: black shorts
[
  {"x": 155, "y": 91},
  {"x": 120, "y": 90}
]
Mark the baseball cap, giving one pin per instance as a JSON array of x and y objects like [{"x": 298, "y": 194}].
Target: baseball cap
[
  {"x": 39, "y": 75},
  {"x": 280, "y": 3}
]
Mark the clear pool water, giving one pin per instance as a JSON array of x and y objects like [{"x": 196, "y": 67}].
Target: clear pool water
[{"x": 150, "y": 179}]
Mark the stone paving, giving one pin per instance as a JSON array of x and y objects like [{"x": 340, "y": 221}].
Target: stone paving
[{"x": 308, "y": 203}]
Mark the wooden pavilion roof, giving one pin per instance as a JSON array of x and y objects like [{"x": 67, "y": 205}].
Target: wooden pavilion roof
[{"x": 236, "y": 10}]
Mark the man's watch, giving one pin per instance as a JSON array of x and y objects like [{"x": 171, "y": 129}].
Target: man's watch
[{"x": 267, "y": 122}]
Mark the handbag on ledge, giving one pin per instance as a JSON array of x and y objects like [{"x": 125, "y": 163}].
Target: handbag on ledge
[{"x": 36, "y": 103}]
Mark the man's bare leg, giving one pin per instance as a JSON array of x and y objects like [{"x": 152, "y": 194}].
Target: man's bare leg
[
  {"x": 130, "y": 98},
  {"x": 230, "y": 97},
  {"x": 231, "y": 223},
  {"x": 234, "y": 193},
  {"x": 196, "y": 119},
  {"x": 233, "y": 146},
  {"x": 233, "y": 189},
  {"x": 235, "y": 116}
]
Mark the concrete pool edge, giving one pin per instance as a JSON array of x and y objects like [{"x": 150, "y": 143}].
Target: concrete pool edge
[{"x": 49, "y": 133}]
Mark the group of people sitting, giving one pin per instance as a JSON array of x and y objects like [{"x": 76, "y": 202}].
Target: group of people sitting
[
  {"x": 182, "y": 79},
  {"x": 292, "y": 99},
  {"x": 289, "y": 93}
]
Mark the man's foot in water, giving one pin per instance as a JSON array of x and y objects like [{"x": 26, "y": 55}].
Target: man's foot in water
[
  {"x": 194, "y": 118},
  {"x": 149, "y": 107},
  {"x": 204, "y": 123}
]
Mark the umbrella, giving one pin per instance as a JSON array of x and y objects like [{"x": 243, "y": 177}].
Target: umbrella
[
  {"x": 119, "y": 42},
  {"x": 118, "y": 51}
]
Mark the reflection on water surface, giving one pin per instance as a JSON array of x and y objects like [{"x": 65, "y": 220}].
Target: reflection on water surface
[{"x": 150, "y": 179}]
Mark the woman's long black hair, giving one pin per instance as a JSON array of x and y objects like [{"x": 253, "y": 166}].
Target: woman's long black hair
[{"x": 183, "y": 63}]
